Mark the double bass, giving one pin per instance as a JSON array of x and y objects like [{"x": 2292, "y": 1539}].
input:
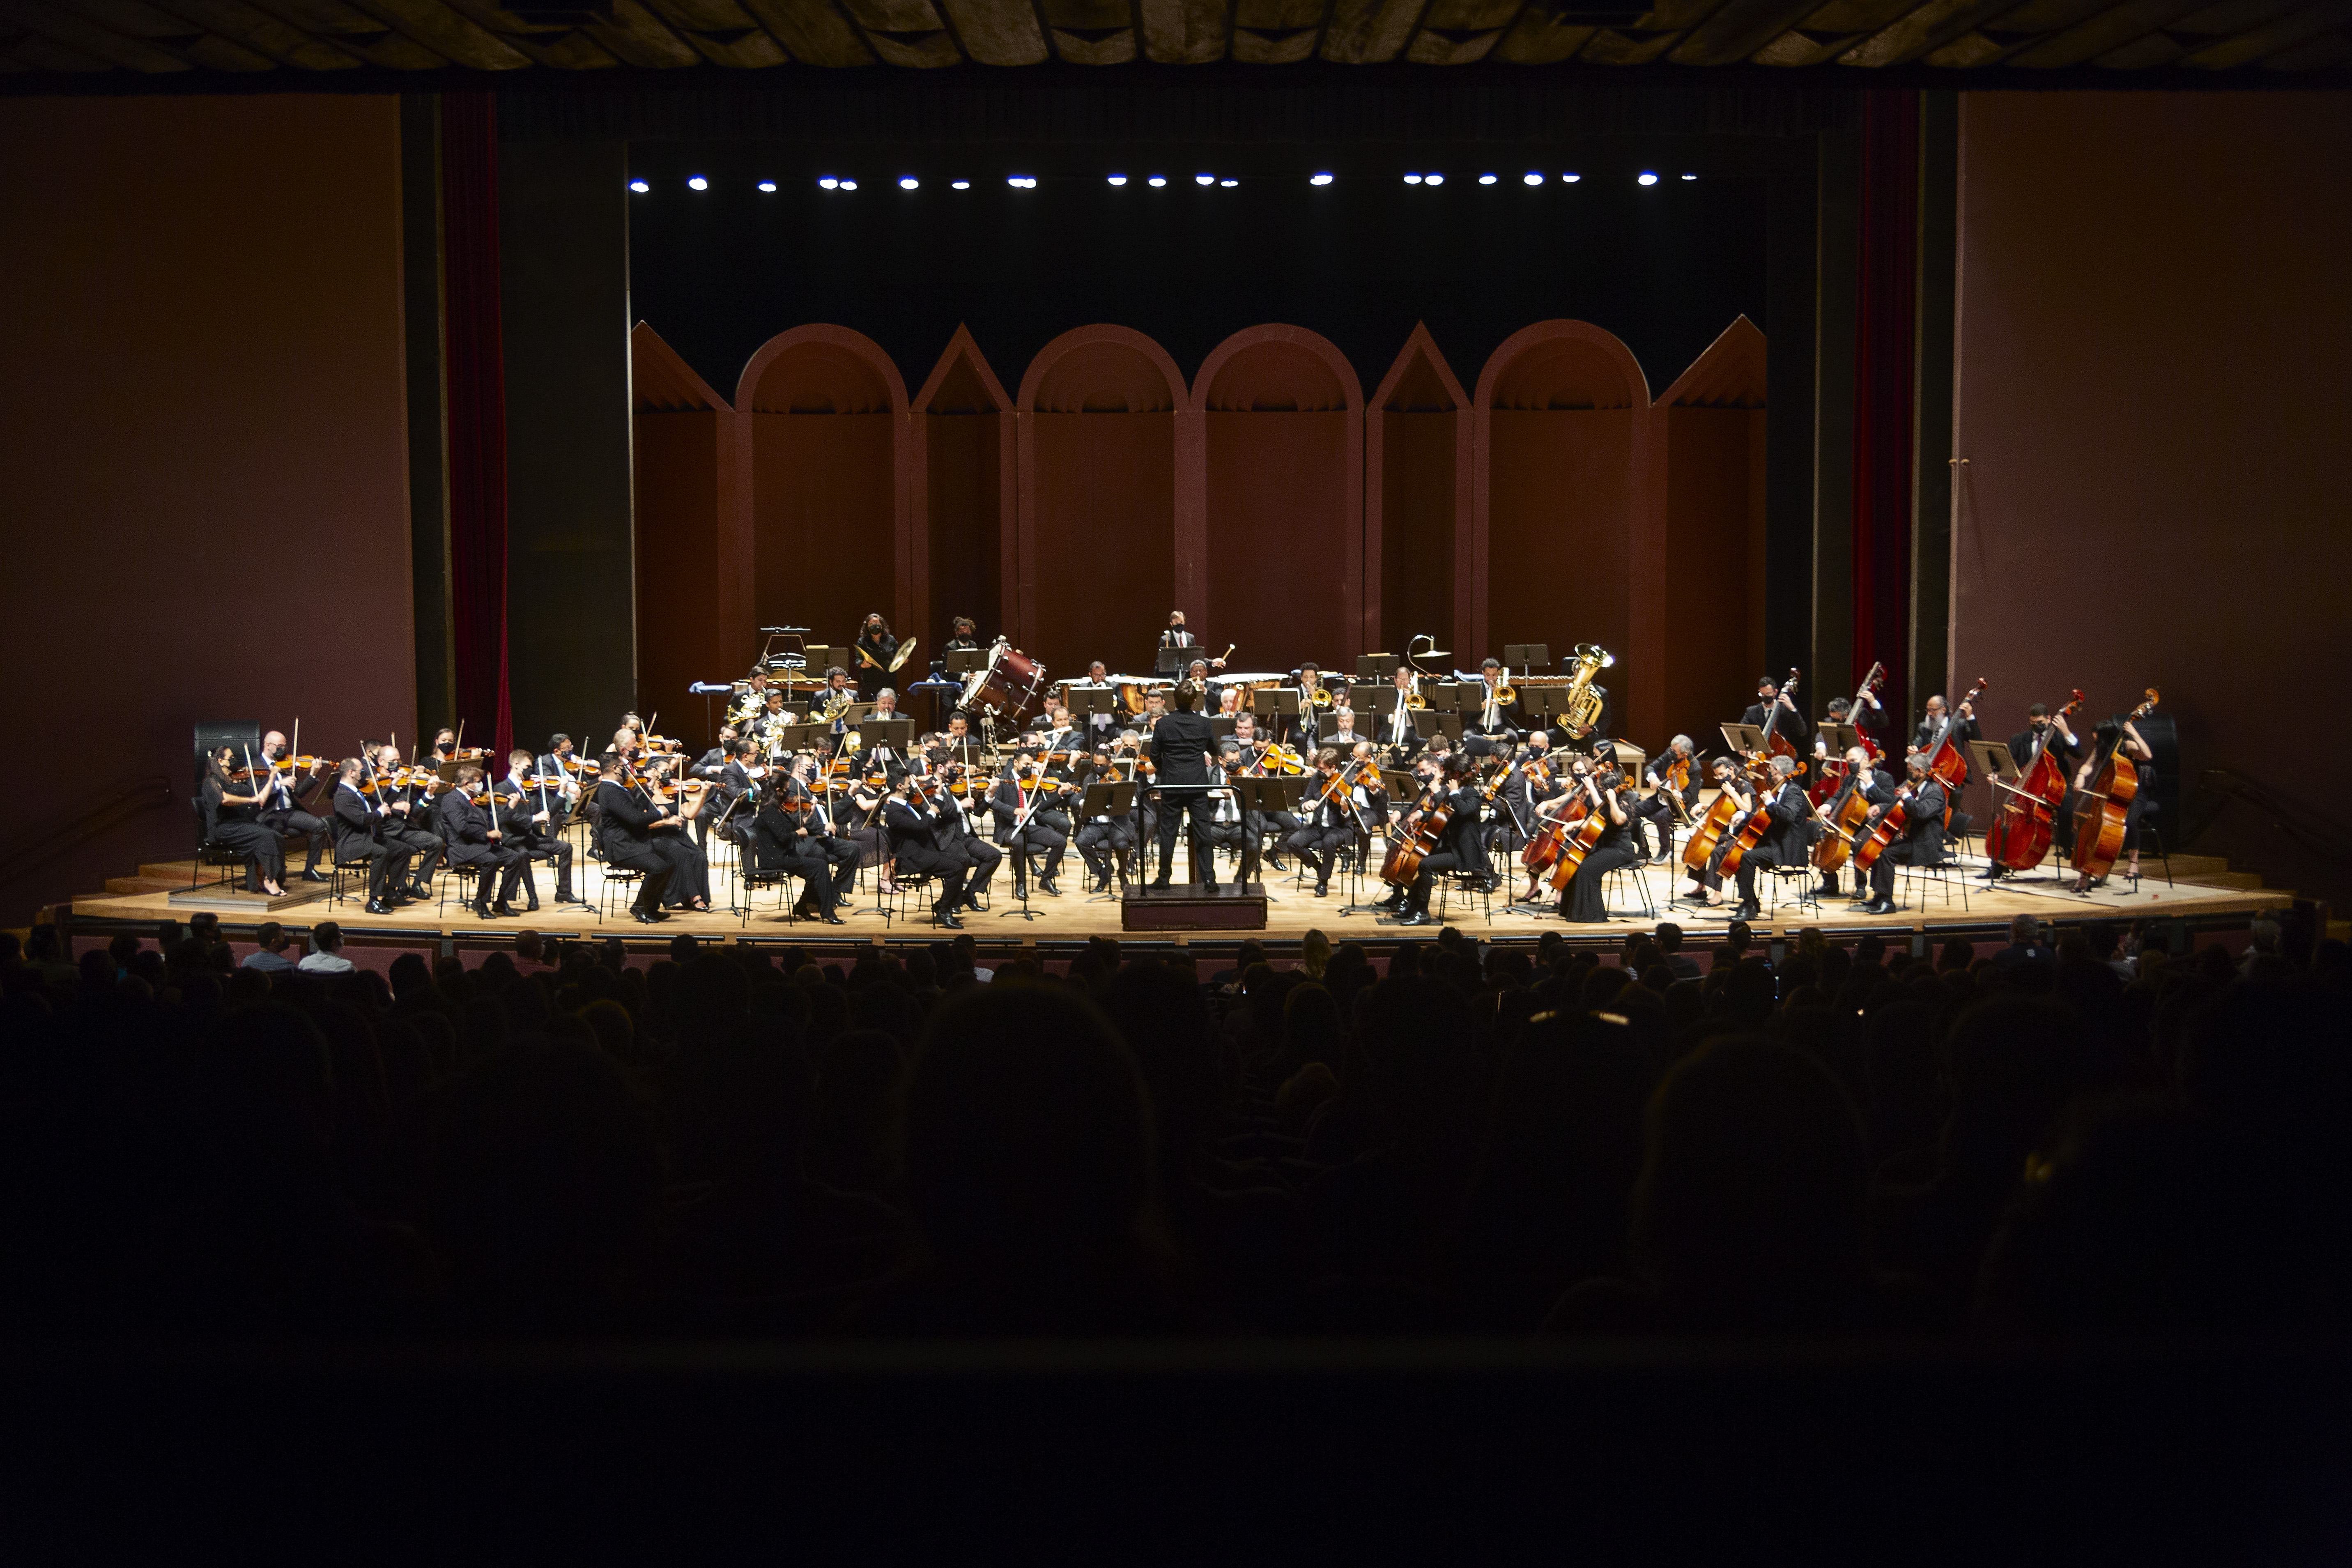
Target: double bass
[
  {"x": 1776, "y": 744},
  {"x": 1833, "y": 771},
  {"x": 2021, "y": 830},
  {"x": 2107, "y": 801},
  {"x": 1946, "y": 761}
]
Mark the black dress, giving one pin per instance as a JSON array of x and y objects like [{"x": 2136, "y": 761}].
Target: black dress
[
  {"x": 234, "y": 828},
  {"x": 1580, "y": 901}
]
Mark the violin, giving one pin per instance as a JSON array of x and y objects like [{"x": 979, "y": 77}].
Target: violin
[
  {"x": 2106, "y": 801},
  {"x": 2021, "y": 830}
]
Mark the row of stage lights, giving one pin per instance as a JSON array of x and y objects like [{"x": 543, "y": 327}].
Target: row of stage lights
[{"x": 1029, "y": 182}]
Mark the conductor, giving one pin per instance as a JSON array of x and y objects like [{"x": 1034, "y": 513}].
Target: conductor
[{"x": 1178, "y": 746}]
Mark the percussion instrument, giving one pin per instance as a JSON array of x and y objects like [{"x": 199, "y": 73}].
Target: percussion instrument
[{"x": 1009, "y": 687}]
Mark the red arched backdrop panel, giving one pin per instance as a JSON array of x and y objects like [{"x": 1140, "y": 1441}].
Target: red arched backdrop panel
[
  {"x": 965, "y": 500},
  {"x": 1711, "y": 422},
  {"x": 1558, "y": 409},
  {"x": 1282, "y": 441},
  {"x": 1097, "y": 447},
  {"x": 826, "y": 414},
  {"x": 693, "y": 557},
  {"x": 1417, "y": 463}
]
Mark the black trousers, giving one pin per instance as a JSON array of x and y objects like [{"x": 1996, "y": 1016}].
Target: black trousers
[
  {"x": 1319, "y": 848},
  {"x": 494, "y": 864},
  {"x": 1901, "y": 852},
  {"x": 1432, "y": 867},
  {"x": 1192, "y": 806},
  {"x": 1102, "y": 843},
  {"x": 921, "y": 860},
  {"x": 1580, "y": 901},
  {"x": 425, "y": 847},
  {"x": 386, "y": 863},
  {"x": 312, "y": 829},
  {"x": 1655, "y": 809},
  {"x": 1749, "y": 863},
  {"x": 556, "y": 852},
  {"x": 657, "y": 868},
  {"x": 1038, "y": 837},
  {"x": 265, "y": 856},
  {"x": 827, "y": 864},
  {"x": 976, "y": 855}
]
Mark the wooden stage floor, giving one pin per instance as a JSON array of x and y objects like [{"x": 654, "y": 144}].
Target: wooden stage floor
[{"x": 1960, "y": 906}]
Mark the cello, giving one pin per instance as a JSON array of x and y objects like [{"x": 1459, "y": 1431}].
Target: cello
[
  {"x": 1848, "y": 810},
  {"x": 2106, "y": 801},
  {"x": 1577, "y": 841},
  {"x": 2020, "y": 836},
  {"x": 1401, "y": 867}
]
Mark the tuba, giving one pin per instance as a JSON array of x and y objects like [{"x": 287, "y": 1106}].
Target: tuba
[{"x": 1581, "y": 710}]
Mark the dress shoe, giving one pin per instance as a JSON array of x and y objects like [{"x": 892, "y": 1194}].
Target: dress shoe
[
  {"x": 945, "y": 916},
  {"x": 506, "y": 910},
  {"x": 531, "y": 907},
  {"x": 1747, "y": 910},
  {"x": 1159, "y": 881},
  {"x": 1045, "y": 886},
  {"x": 829, "y": 918},
  {"x": 1322, "y": 890},
  {"x": 398, "y": 899},
  {"x": 570, "y": 898},
  {"x": 1989, "y": 874},
  {"x": 1881, "y": 906},
  {"x": 1414, "y": 917},
  {"x": 645, "y": 917},
  {"x": 1274, "y": 863},
  {"x": 378, "y": 907},
  {"x": 481, "y": 911},
  {"x": 314, "y": 876}
]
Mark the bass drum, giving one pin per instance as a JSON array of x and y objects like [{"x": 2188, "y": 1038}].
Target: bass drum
[{"x": 1008, "y": 688}]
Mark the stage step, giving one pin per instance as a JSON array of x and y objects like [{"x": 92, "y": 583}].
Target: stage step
[
  {"x": 119, "y": 886},
  {"x": 179, "y": 873}
]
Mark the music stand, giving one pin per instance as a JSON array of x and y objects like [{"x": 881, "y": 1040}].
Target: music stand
[
  {"x": 1429, "y": 723},
  {"x": 967, "y": 660},
  {"x": 895, "y": 732},
  {"x": 1104, "y": 799},
  {"x": 1445, "y": 695},
  {"x": 1994, "y": 761},
  {"x": 1172, "y": 660},
  {"x": 819, "y": 659},
  {"x": 1527, "y": 655},
  {"x": 1221, "y": 726},
  {"x": 1275, "y": 702},
  {"x": 1374, "y": 668},
  {"x": 1840, "y": 738},
  {"x": 1743, "y": 738},
  {"x": 1088, "y": 700}
]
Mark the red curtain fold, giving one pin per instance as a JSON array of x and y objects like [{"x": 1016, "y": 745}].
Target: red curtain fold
[
  {"x": 474, "y": 353},
  {"x": 1884, "y": 347}
]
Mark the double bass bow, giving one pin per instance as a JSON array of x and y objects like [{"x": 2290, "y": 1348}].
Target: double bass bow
[
  {"x": 2021, "y": 830},
  {"x": 2099, "y": 819}
]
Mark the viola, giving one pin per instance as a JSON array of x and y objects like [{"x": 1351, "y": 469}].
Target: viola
[
  {"x": 2099, "y": 819},
  {"x": 2021, "y": 830}
]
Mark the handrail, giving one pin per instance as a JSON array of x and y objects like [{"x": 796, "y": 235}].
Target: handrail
[
  {"x": 140, "y": 794},
  {"x": 2287, "y": 818}
]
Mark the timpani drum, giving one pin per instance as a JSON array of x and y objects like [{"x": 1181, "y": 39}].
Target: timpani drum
[{"x": 1008, "y": 688}]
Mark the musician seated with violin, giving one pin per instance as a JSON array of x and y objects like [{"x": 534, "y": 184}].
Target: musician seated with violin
[
  {"x": 475, "y": 838},
  {"x": 1917, "y": 841},
  {"x": 357, "y": 815},
  {"x": 916, "y": 826},
  {"x": 1104, "y": 837},
  {"x": 292, "y": 800},
  {"x": 1334, "y": 813},
  {"x": 531, "y": 807},
  {"x": 1029, "y": 821},
  {"x": 959, "y": 836},
  {"x": 629, "y": 827},
  {"x": 822, "y": 850},
  {"x": 232, "y": 802},
  {"x": 681, "y": 801},
  {"x": 409, "y": 804}
]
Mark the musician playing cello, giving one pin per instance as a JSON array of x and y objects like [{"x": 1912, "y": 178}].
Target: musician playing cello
[
  {"x": 1876, "y": 787},
  {"x": 1606, "y": 794},
  {"x": 1921, "y": 841},
  {"x": 1458, "y": 849}
]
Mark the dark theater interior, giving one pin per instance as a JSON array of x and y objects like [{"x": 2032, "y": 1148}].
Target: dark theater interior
[{"x": 1366, "y": 779}]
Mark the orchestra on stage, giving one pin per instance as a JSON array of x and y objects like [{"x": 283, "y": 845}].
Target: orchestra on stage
[{"x": 1410, "y": 776}]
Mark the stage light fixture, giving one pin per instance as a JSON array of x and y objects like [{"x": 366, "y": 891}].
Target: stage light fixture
[
  {"x": 1690, "y": 176},
  {"x": 826, "y": 183},
  {"x": 908, "y": 182},
  {"x": 1570, "y": 179},
  {"x": 1022, "y": 181},
  {"x": 696, "y": 182},
  {"x": 768, "y": 186},
  {"x": 1204, "y": 179},
  {"x": 1413, "y": 179},
  {"x": 1318, "y": 179},
  {"x": 1486, "y": 179},
  {"x": 960, "y": 185},
  {"x": 1532, "y": 178},
  {"x": 1157, "y": 181},
  {"x": 1433, "y": 179},
  {"x": 1229, "y": 184},
  {"x": 1645, "y": 178},
  {"x": 639, "y": 186},
  {"x": 849, "y": 184},
  {"x": 1117, "y": 179}
]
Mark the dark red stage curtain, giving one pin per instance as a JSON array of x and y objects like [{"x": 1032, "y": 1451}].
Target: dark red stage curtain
[
  {"x": 478, "y": 411},
  {"x": 1883, "y": 353}
]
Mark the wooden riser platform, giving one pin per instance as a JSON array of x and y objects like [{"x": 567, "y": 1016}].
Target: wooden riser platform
[{"x": 1292, "y": 911}]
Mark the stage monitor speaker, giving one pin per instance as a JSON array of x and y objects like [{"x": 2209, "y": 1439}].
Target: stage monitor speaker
[{"x": 213, "y": 734}]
